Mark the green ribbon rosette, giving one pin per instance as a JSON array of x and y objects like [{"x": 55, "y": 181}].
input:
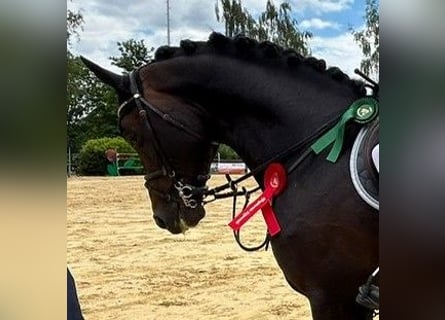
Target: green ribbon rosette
[{"x": 362, "y": 111}]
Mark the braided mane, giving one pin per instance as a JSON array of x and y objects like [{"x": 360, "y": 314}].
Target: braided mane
[{"x": 265, "y": 52}]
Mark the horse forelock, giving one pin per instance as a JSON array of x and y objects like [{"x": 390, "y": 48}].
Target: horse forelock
[{"x": 265, "y": 53}]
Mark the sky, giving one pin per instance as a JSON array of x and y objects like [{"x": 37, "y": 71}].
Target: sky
[{"x": 107, "y": 22}]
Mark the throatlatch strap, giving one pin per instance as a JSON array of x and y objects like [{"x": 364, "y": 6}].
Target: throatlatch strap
[{"x": 362, "y": 111}]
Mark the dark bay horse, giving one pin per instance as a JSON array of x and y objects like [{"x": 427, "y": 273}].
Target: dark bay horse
[{"x": 260, "y": 100}]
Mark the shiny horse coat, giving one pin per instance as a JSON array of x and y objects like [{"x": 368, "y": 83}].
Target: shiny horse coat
[{"x": 259, "y": 99}]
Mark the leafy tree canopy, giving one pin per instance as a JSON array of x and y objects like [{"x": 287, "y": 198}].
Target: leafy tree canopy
[
  {"x": 74, "y": 22},
  {"x": 368, "y": 38},
  {"x": 275, "y": 24},
  {"x": 133, "y": 55}
]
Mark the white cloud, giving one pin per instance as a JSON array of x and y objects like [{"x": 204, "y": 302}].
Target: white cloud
[
  {"x": 316, "y": 23},
  {"x": 321, "y": 6},
  {"x": 110, "y": 21},
  {"x": 255, "y": 7},
  {"x": 340, "y": 51},
  {"x": 107, "y": 22}
]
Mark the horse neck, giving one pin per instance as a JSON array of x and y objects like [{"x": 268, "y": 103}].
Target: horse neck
[{"x": 257, "y": 110}]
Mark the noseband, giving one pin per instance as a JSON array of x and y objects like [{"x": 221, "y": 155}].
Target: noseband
[{"x": 186, "y": 192}]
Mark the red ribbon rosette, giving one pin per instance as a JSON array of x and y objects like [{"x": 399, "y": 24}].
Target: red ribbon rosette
[{"x": 275, "y": 180}]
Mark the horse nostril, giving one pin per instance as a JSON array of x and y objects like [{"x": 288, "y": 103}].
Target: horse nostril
[{"x": 160, "y": 222}]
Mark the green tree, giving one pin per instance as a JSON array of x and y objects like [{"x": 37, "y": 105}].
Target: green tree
[
  {"x": 368, "y": 38},
  {"x": 74, "y": 23},
  {"x": 133, "y": 55},
  {"x": 227, "y": 153},
  {"x": 75, "y": 72},
  {"x": 90, "y": 105},
  {"x": 76, "y": 99},
  {"x": 275, "y": 24},
  {"x": 237, "y": 19}
]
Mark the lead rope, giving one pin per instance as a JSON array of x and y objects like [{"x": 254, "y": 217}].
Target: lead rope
[
  {"x": 236, "y": 233},
  {"x": 235, "y": 192}
]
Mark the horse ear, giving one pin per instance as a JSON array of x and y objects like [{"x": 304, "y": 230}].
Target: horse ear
[{"x": 112, "y": 79}]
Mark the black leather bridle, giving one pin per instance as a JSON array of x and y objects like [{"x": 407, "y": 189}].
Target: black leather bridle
[{"x": 191, "y": 195}]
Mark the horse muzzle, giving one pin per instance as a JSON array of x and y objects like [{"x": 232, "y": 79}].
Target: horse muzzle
[{"x": 176, "y": 218}]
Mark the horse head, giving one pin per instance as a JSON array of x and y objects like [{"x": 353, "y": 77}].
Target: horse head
[{"x": 176, "y": 177}]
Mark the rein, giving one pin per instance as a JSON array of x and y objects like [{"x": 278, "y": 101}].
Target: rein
[
  {"x": 231, "y": 184},
  {"x": 217, "y": 192}
]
